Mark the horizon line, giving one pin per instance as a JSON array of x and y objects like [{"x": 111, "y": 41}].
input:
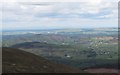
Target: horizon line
[{"x": 57, "y": 28}]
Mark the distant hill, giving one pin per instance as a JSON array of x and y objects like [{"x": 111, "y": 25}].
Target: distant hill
[
  {"x": 18, "y": 61},
  {"x": 28, "y": 45}
]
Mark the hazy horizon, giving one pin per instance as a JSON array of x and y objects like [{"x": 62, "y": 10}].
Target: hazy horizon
[{"x": 57, "y": 29}]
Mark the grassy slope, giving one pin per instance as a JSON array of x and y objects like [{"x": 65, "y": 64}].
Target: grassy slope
[{"x": 17, "y": 61}]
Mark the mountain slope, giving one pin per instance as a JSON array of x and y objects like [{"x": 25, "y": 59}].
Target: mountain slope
[{"x": 18, "y": 61}]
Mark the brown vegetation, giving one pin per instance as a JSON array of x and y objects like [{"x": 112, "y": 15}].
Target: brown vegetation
[{"x": 17, "y": 61}]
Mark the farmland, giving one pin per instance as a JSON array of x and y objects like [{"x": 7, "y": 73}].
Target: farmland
[{"x": 81, "y": 48}]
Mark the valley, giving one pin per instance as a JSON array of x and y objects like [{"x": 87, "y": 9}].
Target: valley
[{"x": 80, "y": 48}]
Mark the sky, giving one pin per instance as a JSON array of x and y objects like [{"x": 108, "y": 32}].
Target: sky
[{"x": 57, "y": 14}]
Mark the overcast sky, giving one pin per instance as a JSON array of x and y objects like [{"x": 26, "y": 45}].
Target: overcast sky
[{"x": 17, "y": 14}]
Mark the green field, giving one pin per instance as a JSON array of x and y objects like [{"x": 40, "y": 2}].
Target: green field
[{"x": 82, "y": 48}]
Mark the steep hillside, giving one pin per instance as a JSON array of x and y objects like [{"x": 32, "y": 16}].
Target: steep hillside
[{"x": 17, "y": 61}]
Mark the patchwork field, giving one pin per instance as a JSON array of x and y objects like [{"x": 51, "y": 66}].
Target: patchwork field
[{"x": 81, "y": 48}]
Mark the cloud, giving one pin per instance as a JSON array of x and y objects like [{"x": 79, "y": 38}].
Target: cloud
[
  {"x": 59, "y": 14},
  {"x": 94, "y": 8},
  {"x": 59, "y": 1}
]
